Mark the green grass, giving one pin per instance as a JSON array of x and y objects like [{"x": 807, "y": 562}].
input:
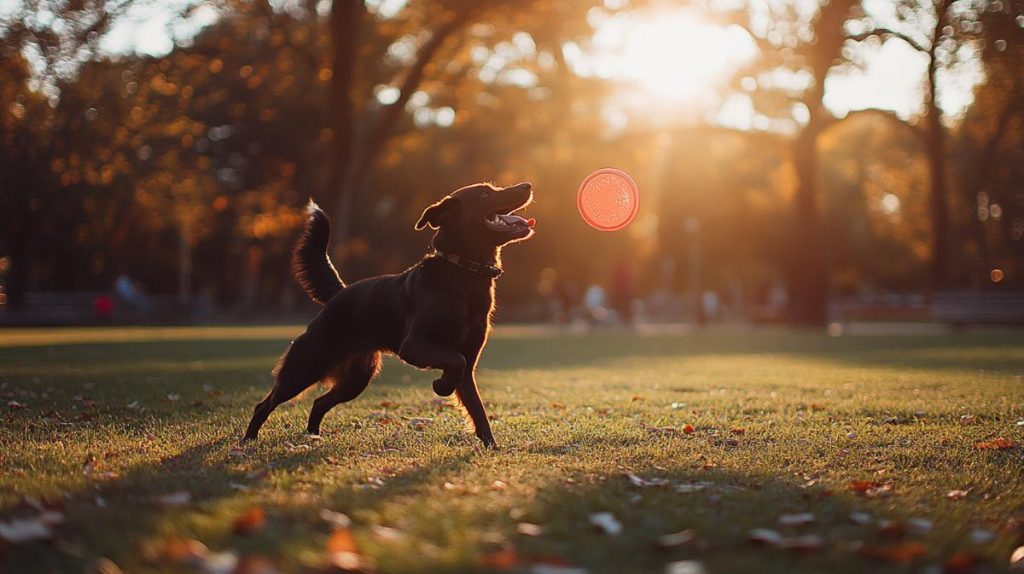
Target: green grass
[{"x": 571, "y": 414}]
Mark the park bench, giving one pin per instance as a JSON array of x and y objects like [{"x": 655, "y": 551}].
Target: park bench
[
  {"x": 52, "y": 308},
  {"x": 978, "y": 307}
]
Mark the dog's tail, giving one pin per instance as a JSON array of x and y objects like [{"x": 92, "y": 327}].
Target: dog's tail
[{"x": 311, "y": 265}]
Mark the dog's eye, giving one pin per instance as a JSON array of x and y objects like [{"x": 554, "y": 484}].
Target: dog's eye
[{"x": 484, "y": 194}]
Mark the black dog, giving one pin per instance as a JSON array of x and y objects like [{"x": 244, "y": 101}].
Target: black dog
[{"x": 435, "y": 315}]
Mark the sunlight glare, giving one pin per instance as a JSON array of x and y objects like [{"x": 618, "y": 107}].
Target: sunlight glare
[{"x": 674, "y": 56}]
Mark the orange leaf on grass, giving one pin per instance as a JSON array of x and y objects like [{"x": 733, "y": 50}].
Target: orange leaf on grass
[
  {"x": 341, "y": 540},
  {"x": 904, "y": 552},
  {"x": 962, "y": 563},
  {"x": 998, "y": 443},
  {"x": 343, "y": 553},
  {"x": 688, "y": 428},
  {"x": 738, "y": 430},
  {"x": 250, "y": 521},
  {"x": 501, "y": 559},
  {"x": 863, "y": 485}
]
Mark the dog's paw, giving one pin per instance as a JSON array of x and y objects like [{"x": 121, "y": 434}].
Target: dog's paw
[{"x": 444, "y": 388}]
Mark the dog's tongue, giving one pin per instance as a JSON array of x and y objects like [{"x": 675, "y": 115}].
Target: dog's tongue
[{"x": 516, "y": 220}]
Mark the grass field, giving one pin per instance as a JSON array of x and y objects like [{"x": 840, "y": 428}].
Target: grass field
[{"x": 130, "y": 434}]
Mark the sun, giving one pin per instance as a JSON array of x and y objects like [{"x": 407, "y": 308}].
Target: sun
[{"x": 672, "y": 56}]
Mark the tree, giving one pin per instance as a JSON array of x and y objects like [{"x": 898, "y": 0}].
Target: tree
[{"x": 362, "y": 122}]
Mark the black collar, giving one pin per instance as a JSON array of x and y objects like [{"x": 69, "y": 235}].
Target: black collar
[{"x": 484, "y": 269}]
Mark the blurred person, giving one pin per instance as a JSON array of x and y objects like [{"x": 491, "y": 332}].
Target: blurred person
[
  {"x": 103, "y": 307},
  {"x": 710, "y": 303},
  {"x": 622, "y": 290},
  {"x": 594, "y": 304},
  {"x": 558, "y": 295},
  {"x": 128, "y": 291}
]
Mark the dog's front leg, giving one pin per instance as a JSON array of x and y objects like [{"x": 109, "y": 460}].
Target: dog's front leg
[
  {"x": 469, "y": 396},
  {"x": 424, "y": 354}
]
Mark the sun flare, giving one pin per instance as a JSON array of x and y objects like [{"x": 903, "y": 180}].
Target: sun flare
[{"x": 675, "y": 56}]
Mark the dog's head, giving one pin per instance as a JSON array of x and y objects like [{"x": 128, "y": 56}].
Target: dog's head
[{"x": 480, "y": 216}]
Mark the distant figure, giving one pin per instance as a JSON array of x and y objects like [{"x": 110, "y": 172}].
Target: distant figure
[
  {"x": 558, "y": 294},
  {"x": 622, "y": 288},
  {"x": 593, "y": 303},
  {"x": 709, "y": 300},
  {"x": 128, "y": 292},
  {"x": 103, "y": 306}
]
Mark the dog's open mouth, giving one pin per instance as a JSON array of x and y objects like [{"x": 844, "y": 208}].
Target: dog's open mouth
[{"x": 509, "y": 223}]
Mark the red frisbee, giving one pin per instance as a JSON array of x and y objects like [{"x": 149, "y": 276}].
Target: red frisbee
[{"x": 608, "y": 199}]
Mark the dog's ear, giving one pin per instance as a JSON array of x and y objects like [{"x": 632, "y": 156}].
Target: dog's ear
[{"x": 435, "y": 215}]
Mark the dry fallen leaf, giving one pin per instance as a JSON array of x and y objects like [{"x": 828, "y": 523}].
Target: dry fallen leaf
[
  {"x": 738, "y": 430},
  {"x": 919, "y": 526},
  {"x": 528, "y": 529},
  {"x": 22, "y": 530},
  {"x": 336, "y": 519},
  {"x": 254, "y": 565},
  {"x": 685, "y": 567},
  {"x": 962, "y": 563},
  {"x": 981, "y": 536},
  {"x": 1017, "y": 559},
  {"x": 387, "y": 534},
  {"x": 15, "y": 405},
  {"x": 606, "y": 523},
  {"x": 502, "y": 559},
  {"x": 107, "y": 566},
  {"x": 796, "y": 519},
  {"x": 862, "y": 485},
  {"x": 181, "y": 549},
  {"x": 967, "y": 420},
  {"x": 676, "y": 538},
  {"x": 998, "y": 443},
  {"x": 179, "y": 498},
  {"x": 765, "y": 536},
  {"x": 226, "y": 562},
  {"x": 688, "y": 428},
  {"x": 957, "y": 494},
  {"x": 904, "y": 552},
  {"x": 249, "y": 521},
  {"x": 861, "y": 518},
  {"x": 343, "y": 553},
  {"x": 420, "y": 423},
  {"x": 870, "y": 488},
  {"x": 688, "y": 487},
  {"x": 638, "y": 481},
  {"x": 776, "y": 540}
]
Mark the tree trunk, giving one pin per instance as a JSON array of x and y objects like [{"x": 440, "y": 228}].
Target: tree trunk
[
  {"x": 807, "y": 270},
  {"x": 346, "y": 21},
  {"x": 935, "y": 147},
  {"x": 367, "y": 140},
  {"x": 807, "y": 266},
  {"x": 935, "y": 144}
]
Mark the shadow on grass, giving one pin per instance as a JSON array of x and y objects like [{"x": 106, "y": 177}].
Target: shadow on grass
[{"x": 986, "y": 351}]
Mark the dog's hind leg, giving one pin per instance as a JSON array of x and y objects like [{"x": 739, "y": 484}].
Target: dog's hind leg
[
  {"x": 350, "y": 378},
  {"x": 297, "y": 371}
]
